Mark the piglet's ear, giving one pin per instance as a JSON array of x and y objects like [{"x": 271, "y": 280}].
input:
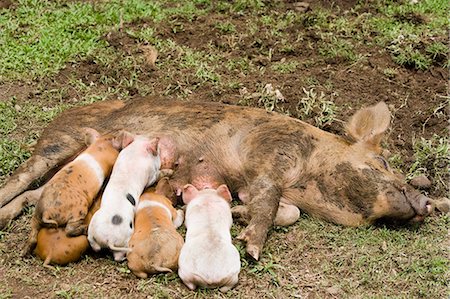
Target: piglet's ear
[
  {"x": 122, "y": 140},
  {"x": 164, "y": 188},
  {"x": 224, "y": 192},
  {"x": 90, "y": 135},
  {"x": 152, "y": 146},
  {"x": 367, "y": 125},
  {"x": 189, "y": 192}
]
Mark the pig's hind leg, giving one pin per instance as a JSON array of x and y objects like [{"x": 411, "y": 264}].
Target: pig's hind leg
[
  {"x": 262, "y": 208},
  {"x": 14, "y": 208},
  {"x": 48, "y": 156},
  {"x": 76, "y": 227},
  {"x": 32, "y": 239}
]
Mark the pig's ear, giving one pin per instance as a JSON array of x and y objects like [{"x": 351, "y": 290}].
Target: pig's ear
[
  {"x": 164, "y": 188},
  {"x": 368, "y": 125},
  {"x": 122, "y": 140},
  {"x": 90, "y": 135},
  {"x": 224, "y": 192},
  {"x": 152, "y": 146},
  {"x": 189, "y": 192}
]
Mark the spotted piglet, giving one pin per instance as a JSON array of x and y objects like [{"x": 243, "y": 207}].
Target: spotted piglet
[
  {"x": 66, "y": 198},
  {"x": 208, "y": 258},
  {"x": 137, "y": 167},
  {"x": 54, "y": 247},
  {"x": 155, "y": 244}
]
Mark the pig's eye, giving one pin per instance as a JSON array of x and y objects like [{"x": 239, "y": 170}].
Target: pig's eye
[
  {"x": 131, "y": 225},
  {"x": 383, "y": 162}
]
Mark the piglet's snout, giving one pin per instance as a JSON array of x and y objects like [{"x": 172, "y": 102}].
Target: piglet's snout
[{"x": 422, "y": 205}]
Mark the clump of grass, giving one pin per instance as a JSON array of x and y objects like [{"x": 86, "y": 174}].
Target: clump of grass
[
  {"x": 411, "y": 32},
  {"x": 225, "y": 27},
  {"x": 406, "y": 54},
  {"x": 339, "y": 49},
  {"x": 432, "y": 160},
  {"x": 315, "y": 105},
  {"x": 12, "y": 154},
  {"x": 390, "y": 72},
  {"x": 267, "y": 97},
  {"x": 285, "y": 66}
]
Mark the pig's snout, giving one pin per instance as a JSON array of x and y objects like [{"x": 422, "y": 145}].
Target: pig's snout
[{"x": 421, "y": 205}]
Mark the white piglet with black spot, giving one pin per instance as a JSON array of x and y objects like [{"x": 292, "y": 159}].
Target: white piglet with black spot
[{"x": 137, "y": 166}]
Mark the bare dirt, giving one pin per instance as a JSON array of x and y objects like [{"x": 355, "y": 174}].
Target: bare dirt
[{"x": 413, "y": 97}]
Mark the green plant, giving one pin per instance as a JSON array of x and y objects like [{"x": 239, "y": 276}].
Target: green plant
[
  {"x": 431, "y": 159},
  {"x": 285, "y": 66},
  {"x": 315, "y": 105}
]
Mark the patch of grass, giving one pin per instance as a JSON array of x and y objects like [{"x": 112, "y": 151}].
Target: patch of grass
[
  {"x": 266, "y": 97},
  {"x": 266, "y": 266},
  {"x": 315, "y": 105},
  {"x": 225, "y": 27},
  {"x": 339, "y": 49},
  {"x": 285, "y": 66},
  {"x": 40, "y": 37},
  {"x": 432, "y": 159},
  {"x": 409, "y": 30},
  {"x": 390, "y": 72}
]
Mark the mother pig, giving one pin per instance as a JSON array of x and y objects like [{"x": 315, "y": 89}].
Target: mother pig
[{"x": 263, "y": 156}]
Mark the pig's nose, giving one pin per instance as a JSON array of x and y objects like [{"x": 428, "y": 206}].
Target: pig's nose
[{"x": 423, "y": 207}]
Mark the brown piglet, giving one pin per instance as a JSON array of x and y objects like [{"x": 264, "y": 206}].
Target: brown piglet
[
  {"x": 155, "y": 244},
  {"x": 55, "y": 247},
  {"x": 66, "y": 197}
]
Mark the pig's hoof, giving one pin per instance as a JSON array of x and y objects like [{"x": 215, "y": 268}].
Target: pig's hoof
[{"x": 253, "y": 251}]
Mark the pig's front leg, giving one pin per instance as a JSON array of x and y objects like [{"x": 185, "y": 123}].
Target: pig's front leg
[{"x": 262, "y": 208}]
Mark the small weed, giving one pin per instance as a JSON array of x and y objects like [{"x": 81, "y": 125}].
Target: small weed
[
  {"x": 396, "y": 161},
  {"x": 123, "y": 269},
  {"x": 314, "y": 105},
  {"x": 226, "y": 27},
  {"x": 6, "y": 294},
  {"x": 432, "y": 160},
  {"x": 339, "y": 49},
  {"x": 267, "y": 98},
  {"x": 390, "y": 72},
  {"x": 264, "y": 267},
  {"x": 285, "y": 66}
]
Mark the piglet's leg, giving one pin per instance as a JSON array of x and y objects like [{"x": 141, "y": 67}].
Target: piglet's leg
[
  {"x": 32, "y": 239},
  {"x": 262, "y": 208},
  {"x": 14, "y": 208},
  {"x": 76, "y": 227}
]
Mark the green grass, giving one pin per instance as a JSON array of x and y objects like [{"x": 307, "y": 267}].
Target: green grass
[
  {"x": 409, "y": 31},
  {"x": 315, "y": 105},
  {"x": 432, "y": 159},
  {"x": 40, "y": 37}
]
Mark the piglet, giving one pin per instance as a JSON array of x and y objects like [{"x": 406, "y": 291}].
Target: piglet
[
  {"x": 54, "y": 247},
  {"x": 137, "y": 167},
  {"x": 155, "y": 244},
  {"x": 208, "y": 258},
  {"x": 67, "y": 196}
]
